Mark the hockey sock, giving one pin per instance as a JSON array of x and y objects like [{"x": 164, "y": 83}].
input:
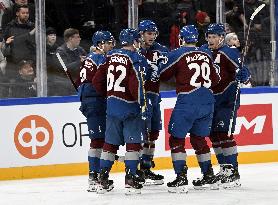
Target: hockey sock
[
  {"x": 108, "y": 156},
  {"x": 132, "y": 157},
  {"x": 178, "y": 153},
  {"x": 202, "y": 152},
  {"x": 147, "y": 155},
  {"x": 216, "y": 144},
  {"x": 148, "y": 149},
  {"x": 229, "y": 148},
  {"x": 94, "y": 154}
]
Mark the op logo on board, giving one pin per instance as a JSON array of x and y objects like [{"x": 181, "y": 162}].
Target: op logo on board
[{"x": 33, "y": 137}]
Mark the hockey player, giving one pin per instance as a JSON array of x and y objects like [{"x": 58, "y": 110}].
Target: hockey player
[
  {"x": 93, "y": 106},
  {"x": 126, "y": 105},
  {"x": 232, "y": 72},
  {"x": 195, "y": 75},
  {"x": 154, "y": 53}
]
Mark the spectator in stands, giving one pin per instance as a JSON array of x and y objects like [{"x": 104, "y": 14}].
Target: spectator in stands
[
  {"x": 72, "y": 54},
  {"x": 54, "y": 74},
  {"x": 189, "y": 7},
  {"x": 51, "y": 47},
  {"x": 3, "y": 78},
  {"x": 24, "y": 83},
  {"x": 10, "y": 13},
  {"x": 232, "y": 40},
  {"x": 250, "y": 6},
  {"x": 4, "y": 5},
  {"x": 180, "y": 19},
  {"x": 202, "y": 22},
  {"x": 4, "y": 87},
  {"x": 235, "y": 15},
  {"x": 19, "y": 38},
  {"x": 228, "y": 28},
  {"x": 208, "y": 6},
  {"x": 3, "y": 61}
]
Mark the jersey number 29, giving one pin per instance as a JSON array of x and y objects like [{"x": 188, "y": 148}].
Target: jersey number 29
[{"x": 202, "y": 70}]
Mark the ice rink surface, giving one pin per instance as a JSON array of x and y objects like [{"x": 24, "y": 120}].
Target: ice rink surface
[{"x": 259, "y": 187}]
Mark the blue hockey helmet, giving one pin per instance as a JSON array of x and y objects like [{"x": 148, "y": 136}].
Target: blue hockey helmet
[
  {"x": 147, "y": 25},
  {"x": 108, "y": 36},
  {"x": 216, "y": 28},
  {"x": 189, "y": 34},
  {"x": 127, "y": 36},
  {"x": 97, "y": 38}
]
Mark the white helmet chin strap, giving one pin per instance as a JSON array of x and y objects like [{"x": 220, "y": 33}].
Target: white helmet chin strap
[
  {"x": 137, "y": 48},
  {"x": 220, "y": 42},
  {"x": 142, "y": 39},
  {"x": 101, "y": 48}
]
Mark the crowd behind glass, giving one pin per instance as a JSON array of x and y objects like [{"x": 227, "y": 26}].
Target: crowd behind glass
[{"x": 70, "y": 25}]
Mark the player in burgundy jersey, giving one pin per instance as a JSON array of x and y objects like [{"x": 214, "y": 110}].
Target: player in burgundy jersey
[
  {"x": 93, "y": 106},
  {"x": 195, "y": 75},
  {"x": 154, "y": 53},
  {"x": 232, "y": 72},
  {"x": 121, "y": 80}
]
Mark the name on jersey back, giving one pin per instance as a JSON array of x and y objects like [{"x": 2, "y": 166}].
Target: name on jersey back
[
  {"x": 118, "y": 59},
  {"x": 196, "y": 57}
]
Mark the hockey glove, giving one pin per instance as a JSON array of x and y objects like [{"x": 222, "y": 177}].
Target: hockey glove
[
  {"x": 155, "y": 76},
  {"x": 243, "y": 75},
  {"x": 153, "y": 72}
]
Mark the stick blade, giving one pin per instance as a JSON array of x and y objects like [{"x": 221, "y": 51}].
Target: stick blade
[{"x": 257, "y": 11}]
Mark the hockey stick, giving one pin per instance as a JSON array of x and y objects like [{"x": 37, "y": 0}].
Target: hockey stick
[
  {"x": 248, "y": 30},
  {"x": 242, "y": 63},
  {"x": 144, "y": 107},
  {"x": 117, "y": 157},
  {"x": 66, "y": 71}
]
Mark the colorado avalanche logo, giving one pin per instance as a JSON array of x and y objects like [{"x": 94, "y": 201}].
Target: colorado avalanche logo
[{"x": 221, "y": 124}]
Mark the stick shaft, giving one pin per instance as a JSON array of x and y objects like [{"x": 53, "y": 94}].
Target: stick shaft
[
  {"x": 242, "y": 63},
  {"x": 66, "y": 71}
]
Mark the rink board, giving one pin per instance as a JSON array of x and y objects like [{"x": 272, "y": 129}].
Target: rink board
[{"x": 44, "y": 137}]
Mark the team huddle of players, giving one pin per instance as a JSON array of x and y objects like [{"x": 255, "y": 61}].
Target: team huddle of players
[{"x": 119, "y": 93}]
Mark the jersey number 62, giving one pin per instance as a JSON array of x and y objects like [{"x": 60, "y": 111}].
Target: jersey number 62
[{"x": 115, "y": 83}]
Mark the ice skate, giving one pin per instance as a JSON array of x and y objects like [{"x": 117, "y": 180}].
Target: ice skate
[
  {"x": 93, "y": 181},
  {"x": 105, "y": 185},
  {"x": 151, "y": 178},
  {"x": 132, "y": 183},
  {"x": 180, "y": 184},
  {"x": 220, "y": 175},
  {"x": 141, "y": 176},
  {"x": 208, "y": 181},
  {"x": 232, "y": 177}
]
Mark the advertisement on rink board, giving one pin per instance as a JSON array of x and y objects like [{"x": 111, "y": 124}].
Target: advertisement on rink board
[
  {"x": 56, "y": 133},
  {"x": 253, "y": 126}
]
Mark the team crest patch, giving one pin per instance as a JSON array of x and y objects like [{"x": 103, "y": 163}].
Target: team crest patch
[{"x": 221, "y": 124}]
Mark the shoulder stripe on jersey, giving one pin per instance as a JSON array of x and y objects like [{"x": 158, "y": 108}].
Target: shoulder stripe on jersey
[
  {"x": 92, "y": 61},
  {"x": 235, "y": 64}
]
